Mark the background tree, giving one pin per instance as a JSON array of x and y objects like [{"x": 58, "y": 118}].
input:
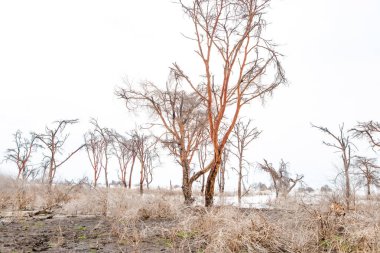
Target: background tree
[
  {"x": 368, "y": 171},
  {"x": 145, "y": 153},
  {"x": 53, "y": 140},
  {"x": 243, "y": 135},
  {"x": 369, "y": 130},
  {"x": 105, "y": 136},
  {"x": 179, "y": 118},
  {"x": 122, "y": 148},
  {"x": 21, "y": 154},
  {"x": 342, "y": 143},
  {"x": 222, "y": 170},
  {"x": 239, "y": 65},
  {"x": 282, "y": 182},
  {"x": 94, "y": 147}
]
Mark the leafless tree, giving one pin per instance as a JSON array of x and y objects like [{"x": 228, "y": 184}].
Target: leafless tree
[
  {"x": 369, "y": 130},
  {"x": 203, "y": 154},
  {"x": 239, "y": 65},
  {"x": 282, "y": 182},
  {"x": 145, "y": 153},
  {"x": 21, "y": 154},
  {"x": 122, "y": 148},
  {"x": 243, "y": 135},
  {"x": 368, "y": 171},
  {"x": 94, "y": 148},
  {"x": 179, "y": 119},
  {"x": 53, "y": 140},
  {"x": 342, "y": 143},
  {"x": 105, "y": 136}
]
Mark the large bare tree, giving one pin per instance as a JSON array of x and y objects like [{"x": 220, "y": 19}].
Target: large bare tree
[
  {"x": 239, "y": 65},
  {"x": 342, "y": 143},
  {"x": 282, "y": 182},
  {"x": 243, "y": 134},
  {"x": 21, "y": 154},
  {"x": 53, "y": 140},
  {"x": 368, "y": 171},
  {"x": 179, "y": 120}
]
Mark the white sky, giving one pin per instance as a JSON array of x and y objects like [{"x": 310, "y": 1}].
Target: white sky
[{"x": 63, "y": 60}]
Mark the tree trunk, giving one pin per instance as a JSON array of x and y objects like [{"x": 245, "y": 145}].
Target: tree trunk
[
  {"x": 142, "y": 179},
  {"x": 240, "y": 179},
  {"x": 347, "y": 188},
  {"x": 203, "y": 184},
  {"x": 130, "y": 173},
  {"x": 186, "y": 184},
  {"x": 368, "y": 189},
  {"x": 210, "y": 186}
]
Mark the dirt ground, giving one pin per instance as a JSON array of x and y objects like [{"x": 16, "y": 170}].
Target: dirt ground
[{"x": 48, "y": 233}]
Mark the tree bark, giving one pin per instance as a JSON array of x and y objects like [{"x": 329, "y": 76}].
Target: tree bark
[
  {"x": 130, "y": 173},
  {"x": 210, "y": 185}
]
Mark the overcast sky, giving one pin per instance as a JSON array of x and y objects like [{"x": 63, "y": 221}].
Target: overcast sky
[{"x": 63, "y": 60}]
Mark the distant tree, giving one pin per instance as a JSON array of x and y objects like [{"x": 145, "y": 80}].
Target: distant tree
[
  {"x": 326, "y": 188},
  {"x": 342, "y": 143},
  {"x": 53, "y": 140},
  {"x": 243, "y": 135},
  {"x": 179, "y": 120},
  {"x": 94, "y": 147},
  {"x": 239, "y": 66},
  {"x": 145, "y": 153},
  {"x": 222, "y": 171},
  {"x": 22, "y": 153},
  {"x": 369, "y": 130},
  {"x": 203, "y": 154},
  {"x": 105, "y": 136},
  {"x": 122, "y": 148},
  {"x": 282, "y": 182},
  {"x": 368, "y": 171}
]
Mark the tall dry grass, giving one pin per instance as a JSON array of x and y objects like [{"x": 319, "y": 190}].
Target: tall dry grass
[{"x": 296, "y": 224}]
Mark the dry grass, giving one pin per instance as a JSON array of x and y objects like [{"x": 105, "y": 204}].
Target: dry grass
[{"x": 295, "y": 224}]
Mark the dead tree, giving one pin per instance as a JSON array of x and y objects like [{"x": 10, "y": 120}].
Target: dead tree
[
  {"x": 342, "y": 143},
  {"x": 122, "y": 148},
  {"x": 235, "y": 58},
  {"x": 282, "y": 182},
  {"x": 94, "y": 148},
  {"x": 243, "y": 135},
  {"x": 22, "y": 153},
  {"x": 179, "y": 120},
  {"x": 369, "y": 130},
  {"x": 105, "y": 136},
  {"x": 53, "y": 140},
  {"x": 145, "y": 153},
  {"x": 368, "y": 171}
]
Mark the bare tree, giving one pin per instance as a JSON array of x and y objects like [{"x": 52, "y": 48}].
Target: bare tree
[
  {"x": 53, "y": 140},
  {"x": 282, "y": 182},
  {"x": 105, "y": 135},
  {"x": 369, "y": 130},
  {"x": 179, "y": 119},
  {"x": 239, "y": 65},
  {"x": 145, "y": 153},
  {"x": 94, "y": 148},
  {"x": 243, "y": 134},
  {"x": 203, "y": 154},
  {"x": 368, "y": 171},
  {"x": 342, "y": 143},
  {"x": 21, "y": 154},
  {"x": 122, "y": 148}
]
